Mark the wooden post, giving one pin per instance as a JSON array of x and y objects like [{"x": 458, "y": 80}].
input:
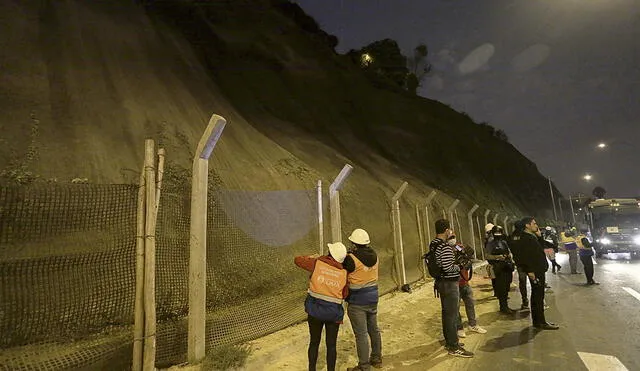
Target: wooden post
[
  {"x": 426, "y": 213},
  {"x": 160, "y": 176},
  {"x": 470, "y": 221},
  {"x": 320, "y": 221},
  {"x": 198, "y": 240},
  {"x": 459, "y": 230},
  {"x": 149, "y": 356},
  {"x": 138, "y": 327},
  {"x": 421, "y": 236},
  {"x": 480, "y": 234}
]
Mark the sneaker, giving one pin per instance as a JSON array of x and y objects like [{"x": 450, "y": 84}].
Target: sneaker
[
  {"x": 524, "y": 306},
  {"x": 460, "y": 352},
  {"x": 477, "y": 329},
  {"x": 462, "y": 334},
  {"x": 375, "y": 362}
]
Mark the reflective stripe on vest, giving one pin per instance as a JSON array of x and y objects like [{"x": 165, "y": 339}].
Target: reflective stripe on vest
[
  {"x": 362, "y": 276},
  {"x": 327, "y": 282}
]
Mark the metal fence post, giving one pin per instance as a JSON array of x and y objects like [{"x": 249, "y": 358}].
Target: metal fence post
[
  {"x": 334, "y": 203},
  {"x": 198, "y": 240},
  {"x": 504, "y": 223},
  {"x": 495, "y": 219},
  {"x": 486, "y": 216},
  {"x": 320, "y": 217},
  {"x": 397, "y": 234},
  {"x": 470, "y": 220},
  {"x": 453, "y": 205}
]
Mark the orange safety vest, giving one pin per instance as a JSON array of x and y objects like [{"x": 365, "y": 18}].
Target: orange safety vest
[
  {"x": 327, "y": 282},
  {"x": 362, "y": 276}
]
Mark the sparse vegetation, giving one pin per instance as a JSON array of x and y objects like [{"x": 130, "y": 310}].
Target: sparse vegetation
[
  {"x": 19, "y": 170},
  {"x": 226, "y": 357}
]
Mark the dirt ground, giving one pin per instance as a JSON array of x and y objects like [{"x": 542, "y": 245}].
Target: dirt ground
[{"x": 411, "y": 335}]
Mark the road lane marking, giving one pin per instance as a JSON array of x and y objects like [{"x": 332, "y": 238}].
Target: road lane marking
[
  {"x": 599, "y": 362},
  {"x": 632, "y": 292}
]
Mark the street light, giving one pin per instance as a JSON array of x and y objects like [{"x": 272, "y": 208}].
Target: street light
[
  {"x": 602, "y": 145},
  {"x": 587, "y": 177}
]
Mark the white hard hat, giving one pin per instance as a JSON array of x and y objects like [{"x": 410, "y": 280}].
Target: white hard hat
[
  {"x": 338, "y": 250},
  {"x": 547, "y": 228},
  {"x": 488, "y": 227},
  {"x": 360, "y": 237}
]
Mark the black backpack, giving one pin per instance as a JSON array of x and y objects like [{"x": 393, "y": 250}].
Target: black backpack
[{"x": 434, "y": 269}]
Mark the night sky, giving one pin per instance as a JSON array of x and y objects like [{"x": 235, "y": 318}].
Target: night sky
[{"x": 558, "y": 76}]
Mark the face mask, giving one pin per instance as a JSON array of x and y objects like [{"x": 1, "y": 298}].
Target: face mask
[{"x": 452, "y": 242}]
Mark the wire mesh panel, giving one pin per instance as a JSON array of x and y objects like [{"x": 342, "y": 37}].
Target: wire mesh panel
[
  {"x": 67, "y": 266},
  {"x": 253, "y": 287}
]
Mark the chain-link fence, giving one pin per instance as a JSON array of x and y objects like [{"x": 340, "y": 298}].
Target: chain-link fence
[
  {"x": 67, "y": 266},
  {"x": 67, "y": 270}
]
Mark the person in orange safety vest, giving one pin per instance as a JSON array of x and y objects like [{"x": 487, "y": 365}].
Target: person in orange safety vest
[
  {"x": 362, "y": 265},
  {"x": 325, "y": 295}
]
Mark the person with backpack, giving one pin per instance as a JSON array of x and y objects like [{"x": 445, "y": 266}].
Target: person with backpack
[
  {"x": 326, "y": 293},
  {"x": 442, "y": 266},
  {"x": 466, "y": 293},
  {"x": 362, "y": 267}
]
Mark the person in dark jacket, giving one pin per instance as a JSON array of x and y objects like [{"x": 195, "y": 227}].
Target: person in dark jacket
[
  {"x": 518, "y": 229},
  {"x": 362, "y": 267},
  {"x": 499, "y": 256},
  {"x": 326, "y": 293},
  {"x": 533, "y": 261}
]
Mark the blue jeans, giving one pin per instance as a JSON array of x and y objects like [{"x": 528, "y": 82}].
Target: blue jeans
[
  {"x": 449, "y": 300},
  {"x": 466, "y": 295},
  {"x": 364, "y": 321}
]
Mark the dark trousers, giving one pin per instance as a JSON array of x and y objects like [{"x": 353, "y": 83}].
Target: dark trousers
[
  {"x": 503, "y": 280},
  {"x": 588, "y": 267},
  {"x": 449, "y": 300},
  {"x": 522, "y": 285},
  {"x": 537, "y": 299},
  {"x": 315, "y": 330}
]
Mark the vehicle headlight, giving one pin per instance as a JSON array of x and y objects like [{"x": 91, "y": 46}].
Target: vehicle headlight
[
  {"x": 605, "y": 241},
  {"x": 636, "y": 240}
]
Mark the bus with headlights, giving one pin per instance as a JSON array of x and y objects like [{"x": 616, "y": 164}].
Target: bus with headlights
[{"x": 615, "y": 225}]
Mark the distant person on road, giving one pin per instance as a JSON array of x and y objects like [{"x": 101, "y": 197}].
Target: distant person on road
[
  {"x": 534, "y": 262},
  {"x": 567, "y": 238},
  {"x": 585, "y": 250},
  {"x": 551, "y": 248},
  {"x": 447, "y": 286},
  {"x": 326, "y": 293},
  {"x": 362, "y": 266},
  {"x": 501, "y": 260},
  {"x": 464, "y": 256}
]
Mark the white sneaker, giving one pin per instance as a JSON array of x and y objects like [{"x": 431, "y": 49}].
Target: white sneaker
[
  {"x": 461, "y": 334},
  {"x": 477, "y": 329}
]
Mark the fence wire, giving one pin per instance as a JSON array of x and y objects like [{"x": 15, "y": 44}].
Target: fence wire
[
  {"x": 67, "y": 268},
  {"x": 67, "y": 271}
]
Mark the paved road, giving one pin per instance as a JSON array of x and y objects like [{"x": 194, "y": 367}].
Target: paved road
[{"x": 601, "y": 320}]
